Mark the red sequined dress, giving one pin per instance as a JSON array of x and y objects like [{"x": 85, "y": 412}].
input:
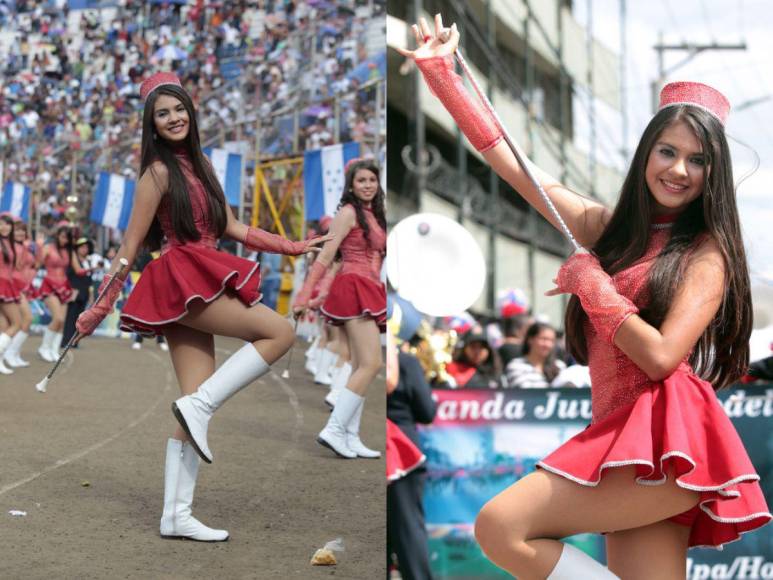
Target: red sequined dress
[
  {"x": 185, "y": 270},
  {"x": 674, "y": 423},
  {"x": 55, "y": 281},
  {"x": 357, "y": 290},
  {"x": 9, "y": 292}
]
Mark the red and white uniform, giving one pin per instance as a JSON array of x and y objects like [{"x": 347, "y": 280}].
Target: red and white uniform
[
  {"x": 357, "y": 290},
  {"x": 674, "y": 423},
  {"x": 55, "y": 281},
  {"x": 187, "y": 271},
  {"x": 25, "y": 270},
  {"x": 9, "y": 292}
]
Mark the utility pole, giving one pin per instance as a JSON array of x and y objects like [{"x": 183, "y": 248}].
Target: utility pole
[{"x": 692, "y": 49}]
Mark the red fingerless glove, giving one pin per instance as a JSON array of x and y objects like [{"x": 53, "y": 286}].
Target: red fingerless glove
[
  {"x": 323, "y": 289},
  {"x": 583, "y": 276},
  {"x": 262, "y": 241},
  {"x": 316, "y": 272},
  {"x": 91, "y": 318},
  {"x": 475, "y": 121}
]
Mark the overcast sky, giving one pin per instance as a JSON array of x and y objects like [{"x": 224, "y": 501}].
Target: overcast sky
[{"x": 743, "y": 76}]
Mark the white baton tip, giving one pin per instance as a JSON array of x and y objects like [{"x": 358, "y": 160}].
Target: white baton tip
[{"x": 124, "y": 262}]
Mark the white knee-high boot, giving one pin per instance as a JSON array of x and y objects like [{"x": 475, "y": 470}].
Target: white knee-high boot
[
  {"x": 13, "y": 354},
  {"x": 326, "y": 360},
  {"x": 353, "y": 441},
  {"x": 5, "y": 342},
  {"x": 45, "y": 346},
  {"x": 194, "y": 411},
  {"x": 180, "y": 473},
  {"x": 333, "y": 436},
  {"x": 339, "y": 382},
  {"x": 574, "y": 564},
  {"x": 56, "y": 345}
]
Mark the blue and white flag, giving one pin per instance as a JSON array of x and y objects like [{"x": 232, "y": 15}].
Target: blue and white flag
[
  {"x": 228, "y": 169},
  {"x": 113, "y": 201},
  {"x": 323, "y": 177},
  {"x": 16, "y": 199}
]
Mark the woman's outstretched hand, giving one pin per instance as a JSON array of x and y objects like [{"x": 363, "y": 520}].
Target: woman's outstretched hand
[
  {"x": 429, "y": 44},
  {"x": 313, "y": 245}
]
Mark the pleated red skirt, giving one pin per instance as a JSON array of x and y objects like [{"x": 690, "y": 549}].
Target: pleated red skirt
[
  {"x": 402, "y": 456},
  {"x": 59, "y": 288},
  {"x": 354, "y": 296},
  {"x": 181, "y": 275},
  {"x": 9, "y": 292},
  {"x": 675, "y": 424}
]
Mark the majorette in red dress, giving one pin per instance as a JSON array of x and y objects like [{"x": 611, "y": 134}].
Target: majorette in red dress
[
  {"x": 55, "y": 281},
  {"x": 677, "y": 422},
  {"x": 357, "y": 290},
  {"x": 9, "y": 292},
  {"x": 186, "y": 271},
  {"x": 402, "y": 456},
  {"x": 25, "y": 272}
]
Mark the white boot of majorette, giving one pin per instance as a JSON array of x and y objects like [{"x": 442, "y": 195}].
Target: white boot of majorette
[
  {"x": 312, "y": 362},
  {"x": 46, "y": 351},
  {"x": 195, "y": 410},
  {"x": 180, "y": 473},
  {"x": 340, "y": 380},
  {"x": 13, "y": 353},
  {"x": 5, "y": 342},
  {"x": 326, "y": 361},
  {"x": 353, "y": 441},
  {"x": 333, "y": 436},
  {"x": 575, "y": 564}
]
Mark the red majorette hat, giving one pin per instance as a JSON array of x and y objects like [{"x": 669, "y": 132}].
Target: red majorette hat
[
  {"x": 151, "y": 83},
  {"x": 697, "y": 95}
]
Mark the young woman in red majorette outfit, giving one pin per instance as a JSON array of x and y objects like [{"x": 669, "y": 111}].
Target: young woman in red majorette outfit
[
  {"x": 338, "y": 344},
  {"x": 10, "y": 294},
  {"x": 356, "y": 301},
  {"x": 23, "y": 276},
  {"x": 661, "y": 311},
  {"x": 192, "y": 291},
  {"x": 55, "y": 290}
]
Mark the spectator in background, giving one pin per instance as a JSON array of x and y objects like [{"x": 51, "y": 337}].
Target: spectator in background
[
  {"x": 513, "y": 328},
  {"x": 408, "y": 403},
  {"x": 538, "y": 366},
  {"x": 475, "y": 363},
  {"x": 271, "y": 275},
  {"x": 79, "y": 276}
]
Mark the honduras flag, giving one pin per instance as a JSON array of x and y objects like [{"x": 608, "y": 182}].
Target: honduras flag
[
  {"x": 16, "y": 199},
  {"x": 228, "y": 169},
  {"x": 323, "y": 177},
  {"x": 113, "y": 201}
]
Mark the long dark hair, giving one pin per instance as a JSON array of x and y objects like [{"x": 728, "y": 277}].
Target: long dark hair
[
  {"x": 721, "y": 354},
  {"x": 377, "y": 204},
  {"x": 67, "y": 245},
  {"x": 155, "y": 148},
  {"x": 549, "y": 367},
  {"x": 9, "y": 250}
]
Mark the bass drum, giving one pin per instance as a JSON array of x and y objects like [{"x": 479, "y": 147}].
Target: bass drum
[{"x": 435, "y": 263}]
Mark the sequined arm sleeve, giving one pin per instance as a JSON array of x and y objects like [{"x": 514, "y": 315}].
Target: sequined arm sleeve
[{"x": 606, "y": 308}]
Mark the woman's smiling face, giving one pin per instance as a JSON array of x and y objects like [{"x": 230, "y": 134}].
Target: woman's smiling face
[
  {"x": 676, "y": 169},
  {"x": 171, "y": 119}
]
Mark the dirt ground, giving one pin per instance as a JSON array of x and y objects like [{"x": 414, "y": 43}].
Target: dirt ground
[{"x": 85, "y": 462}]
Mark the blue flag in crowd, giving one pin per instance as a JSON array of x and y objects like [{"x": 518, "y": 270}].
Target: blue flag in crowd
[
  {"x": 323, "y": 177},
  {"x": 228, "y": 169},
  {"x": 113, "y": 201},
  {"x": 16, "y": 199}
]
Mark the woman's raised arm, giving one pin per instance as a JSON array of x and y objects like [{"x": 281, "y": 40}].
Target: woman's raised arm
[{"x": 585, "y": 217}]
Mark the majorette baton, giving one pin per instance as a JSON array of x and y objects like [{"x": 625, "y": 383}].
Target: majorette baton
[
  {"x": 41, "y": 386},
  {"x": 444, "y": 36}
]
